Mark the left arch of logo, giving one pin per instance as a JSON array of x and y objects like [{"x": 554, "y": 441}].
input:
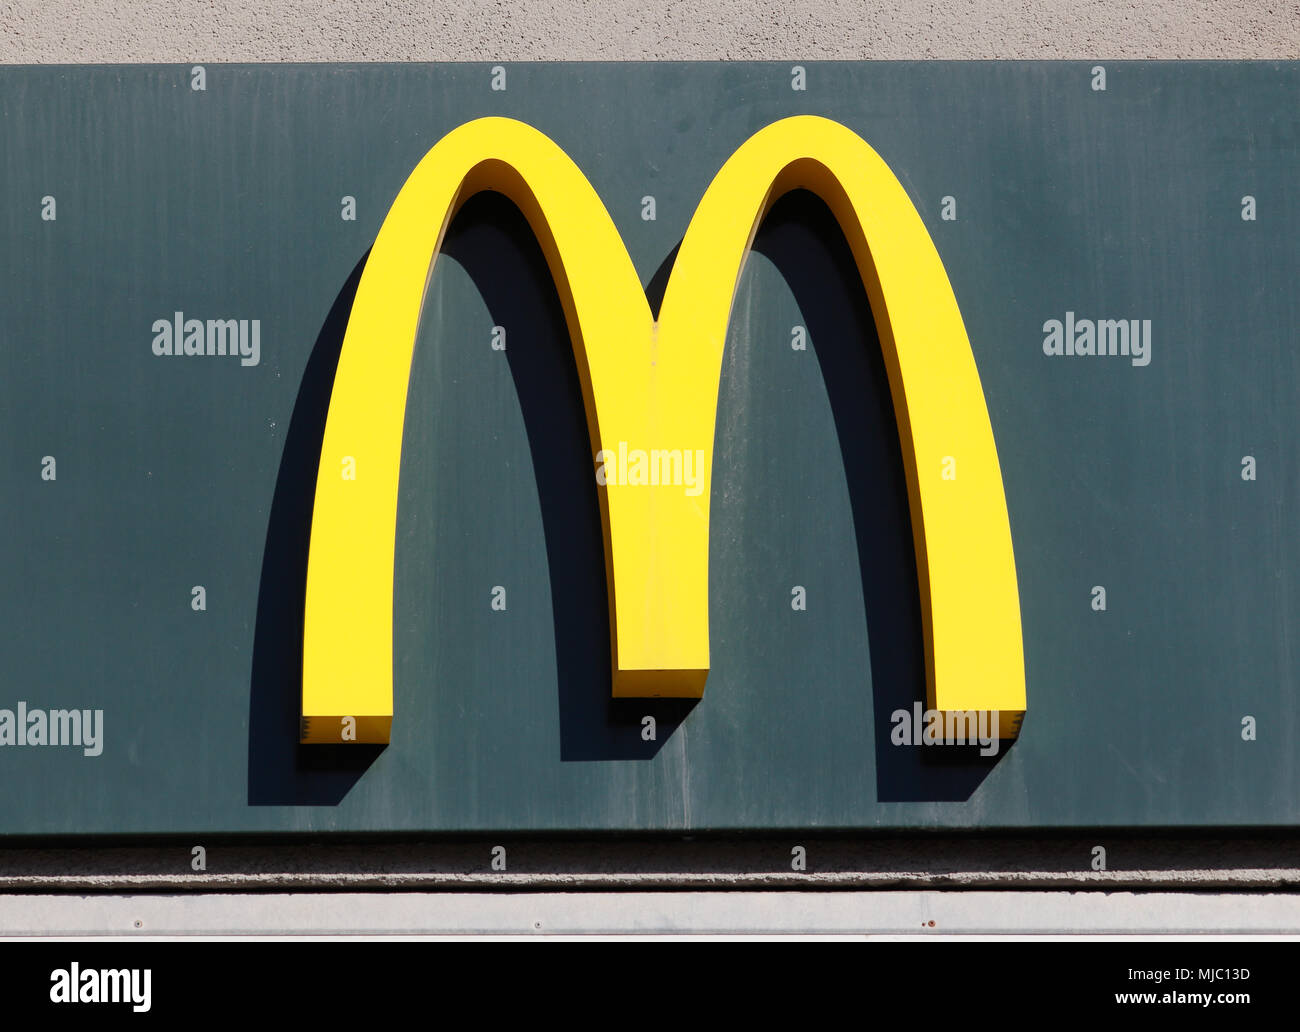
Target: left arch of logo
[{"x": 655, "y": 386}]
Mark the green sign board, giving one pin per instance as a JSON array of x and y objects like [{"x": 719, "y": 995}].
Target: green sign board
[{"x": 1120, "y": 239}]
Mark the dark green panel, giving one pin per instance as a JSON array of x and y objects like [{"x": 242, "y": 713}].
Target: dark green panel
[{"x": 174, "y": 472}]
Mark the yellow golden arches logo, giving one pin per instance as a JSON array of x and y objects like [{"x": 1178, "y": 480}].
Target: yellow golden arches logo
[{"x": 653, "y": 386}]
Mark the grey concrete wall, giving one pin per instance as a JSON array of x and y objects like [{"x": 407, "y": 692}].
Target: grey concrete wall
[{"x": 95, "y": 31}]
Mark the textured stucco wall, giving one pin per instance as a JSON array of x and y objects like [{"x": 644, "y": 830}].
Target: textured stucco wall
[{"x": 94, "y": 31}]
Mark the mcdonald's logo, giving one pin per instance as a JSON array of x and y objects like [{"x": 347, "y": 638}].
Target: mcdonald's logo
[{"x": 653, "y": 385}]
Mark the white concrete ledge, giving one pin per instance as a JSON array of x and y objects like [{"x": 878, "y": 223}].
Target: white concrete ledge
[{"x": 661, "y": 913}]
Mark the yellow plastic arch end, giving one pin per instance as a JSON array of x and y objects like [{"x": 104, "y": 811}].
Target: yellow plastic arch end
[{"x": 651, "y": 394}]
